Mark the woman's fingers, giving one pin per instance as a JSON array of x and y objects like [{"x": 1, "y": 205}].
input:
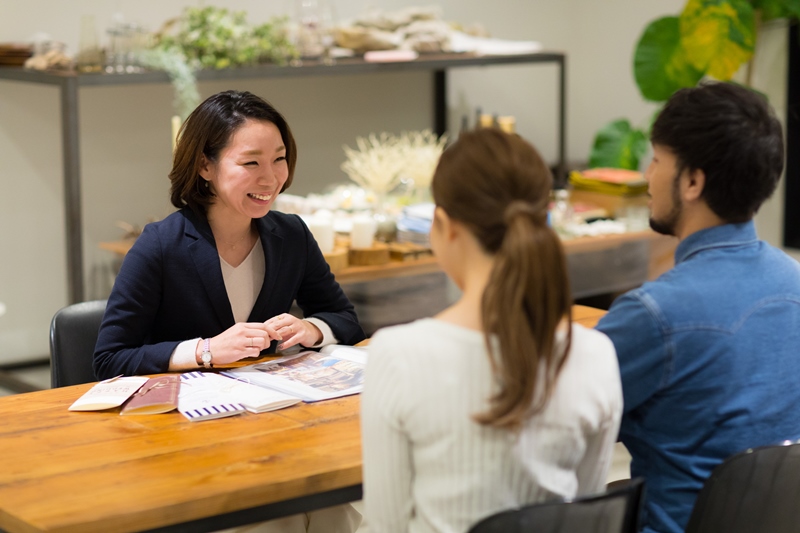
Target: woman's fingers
[{"x": 272, "y": 332}]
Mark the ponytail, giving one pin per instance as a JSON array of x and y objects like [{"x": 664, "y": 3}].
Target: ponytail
[
  {"x": 524, "y": 303},
  {"x": 498, "y": 185}
]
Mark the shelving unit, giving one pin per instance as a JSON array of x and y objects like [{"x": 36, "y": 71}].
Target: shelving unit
[{"x": 69, "y": 84}]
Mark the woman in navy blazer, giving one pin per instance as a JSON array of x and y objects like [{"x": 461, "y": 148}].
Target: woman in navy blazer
[{"x": 213, "y": 282}]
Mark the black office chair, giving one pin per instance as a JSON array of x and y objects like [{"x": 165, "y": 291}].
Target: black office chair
[
  {"x": 73, "y": 334},
  {"x": 615, "y": 511},
  {"x": 755, "y": 491}
]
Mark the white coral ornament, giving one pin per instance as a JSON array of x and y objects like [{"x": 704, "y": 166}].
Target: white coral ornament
[
  {"x": 382, "y": 162},
  {"x": 377, "y": 164}
]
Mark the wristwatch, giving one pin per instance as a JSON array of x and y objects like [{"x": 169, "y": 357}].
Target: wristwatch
[{"x": 205, "y": 356}]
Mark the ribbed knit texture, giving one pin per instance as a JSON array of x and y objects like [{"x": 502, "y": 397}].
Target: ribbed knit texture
[{"x": 429, "y": 467}]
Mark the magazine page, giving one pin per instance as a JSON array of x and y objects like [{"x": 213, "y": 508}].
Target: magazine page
[
  {"x": 310, "y": 375},
  {"x": 254, "y": 398}
]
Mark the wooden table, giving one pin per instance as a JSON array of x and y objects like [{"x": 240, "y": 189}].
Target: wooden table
[{"x": 90, "y": 472}]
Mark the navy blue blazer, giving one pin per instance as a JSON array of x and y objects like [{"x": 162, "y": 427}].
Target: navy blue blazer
[{"x": 170, "y": 289}]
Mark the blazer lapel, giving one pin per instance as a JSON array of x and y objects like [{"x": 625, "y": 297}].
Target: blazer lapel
[
  {"x": 273, "y": 248},
  {"x": 206, "y": 259}
]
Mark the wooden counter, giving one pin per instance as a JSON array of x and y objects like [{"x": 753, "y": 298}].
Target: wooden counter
[{"x": 661, "y": 250}]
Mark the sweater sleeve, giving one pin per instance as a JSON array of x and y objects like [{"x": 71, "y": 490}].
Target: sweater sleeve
[
  {"x": 592, "y": 471},
  {"x": 387, "y": 451}
]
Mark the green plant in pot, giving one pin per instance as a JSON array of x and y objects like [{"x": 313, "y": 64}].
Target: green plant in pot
[{"x": 708, "y": 39}]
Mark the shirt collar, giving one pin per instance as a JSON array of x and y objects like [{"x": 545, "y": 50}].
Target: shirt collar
[{"x": 716, "y": 237}]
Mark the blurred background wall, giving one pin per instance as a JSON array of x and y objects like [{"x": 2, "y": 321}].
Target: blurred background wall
[{"x": 125, "y": 130}]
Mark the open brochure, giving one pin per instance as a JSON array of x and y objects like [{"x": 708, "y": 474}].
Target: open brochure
[
  {"x": 109, "y": 393},
  {"x": 205, "y": 395},
  {"x": 312, "y": 376}
]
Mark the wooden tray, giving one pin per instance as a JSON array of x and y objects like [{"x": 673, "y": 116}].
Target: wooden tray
[{"x": 377, "y": 254}]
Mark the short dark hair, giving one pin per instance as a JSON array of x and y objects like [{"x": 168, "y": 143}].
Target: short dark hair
[
  {"x": 732, "y": 135},
  {"x": 207, "y": 131}
]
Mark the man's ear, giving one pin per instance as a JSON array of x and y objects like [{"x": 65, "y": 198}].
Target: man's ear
[{"x": 692, "y": 184}]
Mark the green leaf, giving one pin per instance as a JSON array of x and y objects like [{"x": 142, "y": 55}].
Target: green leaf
[
  {"x": 718, "y": 35},
  {"x": 775, "y": 9},
  {"x": 660, "y": 65},
  {"x": 618, "y": 145}
]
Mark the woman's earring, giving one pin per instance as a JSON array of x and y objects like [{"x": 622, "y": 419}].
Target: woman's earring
[{"x": 206, "y": 184}]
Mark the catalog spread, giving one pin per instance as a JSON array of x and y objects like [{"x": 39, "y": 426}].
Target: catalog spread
[{"x": 310, "y": 375}]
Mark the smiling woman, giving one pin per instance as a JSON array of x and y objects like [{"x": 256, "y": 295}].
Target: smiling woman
[
  {"x": 213, "y": 282},
  {"x": 246, "y": 177},
  {"x": 193, "y": 291}
]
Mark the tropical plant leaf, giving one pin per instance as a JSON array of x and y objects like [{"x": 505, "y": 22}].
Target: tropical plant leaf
[
  {"x": 775, "y": 9},
  {"x": 718, "y": 35},
  {"x": 660, "y": 66},
  {"x": 618, "y": 145}
]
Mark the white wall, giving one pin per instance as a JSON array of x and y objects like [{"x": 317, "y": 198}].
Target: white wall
[
  {"x": 770, "y": 75},
  {"x": 125, "y": 131}
]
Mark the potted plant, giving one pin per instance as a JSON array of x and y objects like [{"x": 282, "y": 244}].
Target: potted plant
[{"x": 708, "y": 39}]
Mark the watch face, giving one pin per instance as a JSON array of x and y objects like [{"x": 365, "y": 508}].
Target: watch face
[{"x": 206, "y": 357}]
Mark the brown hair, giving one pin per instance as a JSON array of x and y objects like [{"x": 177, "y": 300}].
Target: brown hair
[
  {"x": 499, "y": 187},
  {"x": 207, "y": 131}
]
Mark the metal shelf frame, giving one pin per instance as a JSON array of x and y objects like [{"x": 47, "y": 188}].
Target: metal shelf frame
[{"x": 69, "y": 83}]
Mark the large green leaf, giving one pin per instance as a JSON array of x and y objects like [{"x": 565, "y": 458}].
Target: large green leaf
[
  {"x": 774, "y": 9},
  {"x": 660, "y": 65},
  {"x": 618, "y": 145},
  {"x": 718, "y": 35}
]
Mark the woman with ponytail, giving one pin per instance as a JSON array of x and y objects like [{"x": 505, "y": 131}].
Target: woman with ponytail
[{"x": 498, "y": 401}]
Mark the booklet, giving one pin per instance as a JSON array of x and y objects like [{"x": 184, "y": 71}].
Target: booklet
[
  {"x": 310, "y": 375},
  {"x": 158, "y": 395},
  {"x": 109, "y": 393},
  {"x": 206, "y": 395}
]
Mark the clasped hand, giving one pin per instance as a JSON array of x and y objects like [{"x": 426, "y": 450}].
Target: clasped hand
[{"x": 247, "y": 339}]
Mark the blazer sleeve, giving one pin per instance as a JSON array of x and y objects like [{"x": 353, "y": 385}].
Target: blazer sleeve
[
  {"x": 320, "y": 295},
  {"x": 123, "y": 343}
]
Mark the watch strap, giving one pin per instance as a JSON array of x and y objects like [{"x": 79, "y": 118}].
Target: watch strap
[{"x": 206, "y": 355}]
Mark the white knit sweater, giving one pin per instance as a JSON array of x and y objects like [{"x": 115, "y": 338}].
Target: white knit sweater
[{"x": 428, "y": 467}]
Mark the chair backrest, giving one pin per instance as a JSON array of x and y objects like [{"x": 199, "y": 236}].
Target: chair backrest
[
  {"x": 73, "y": 334},
  {"x": 755, "y": 490},
  {"x": 615, "y": 511}
]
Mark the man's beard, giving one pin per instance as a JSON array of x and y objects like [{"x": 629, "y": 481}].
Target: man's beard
[{"x": 668, "y": 224}]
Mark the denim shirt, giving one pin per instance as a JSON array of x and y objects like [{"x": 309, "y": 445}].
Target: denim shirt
[{"x": 709, "y": 355}]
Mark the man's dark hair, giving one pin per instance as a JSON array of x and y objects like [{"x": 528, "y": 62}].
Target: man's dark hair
[{"x": 732, "y": 135}]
